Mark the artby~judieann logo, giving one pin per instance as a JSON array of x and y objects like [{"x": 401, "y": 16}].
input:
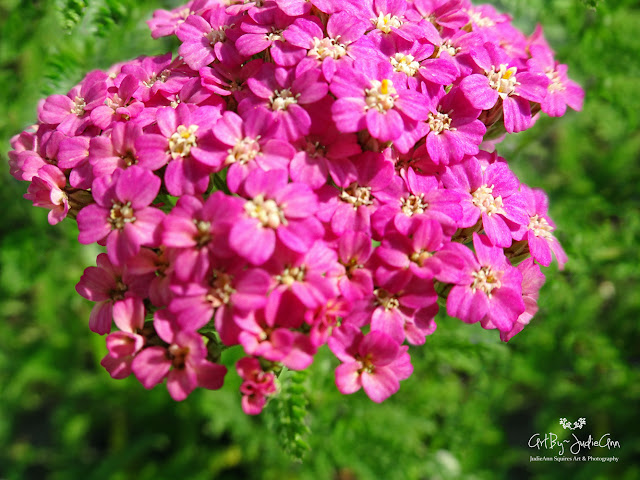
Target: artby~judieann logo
[
  {"x": 574, "y": 445},
  {"x": 572, "y": 426}
]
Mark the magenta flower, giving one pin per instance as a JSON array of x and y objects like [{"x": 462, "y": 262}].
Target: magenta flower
[
  {"x": 454, "y": 130},
  {"x": 107, "y": 285},
  {"x": 166, "y": 22},
  {"x": 370, "y": 96},
  {"x": 122, "y": 214},
  {"x": 47, "y": 190},
  {"x": 277, "y": 97},
  {"x": 198, "y": 230},
  {"x": 209, "y": 37},
  {"x": 491, "y": 193},
  {"x": 489, "y": 290},
  {"x": 358, "y": 181},
  {"x": 539, "y": 230},
  {"x": 107, "y": 154},
  {"x": 71, "y": 113},
  {"x": 155, "y": 75},
  {"x": 123, "y": 345},
  {"x": 246, "y": 145},
  {"x": 184, "y": 142},
  {"x": 257, "y": 385},
  {"x": 119, "y": 104},
  {"x": 33, "y": 151},
  {"x": 355, "y": 281},
  {"x": 274, "y": 209},
  {"x": 501, "y": 80},
  {"x": 267, "y": 31},
  {"x": 532, "y": 282},
  {"x": 374, "y": 362},
  {"x": 183, "y": 362}
]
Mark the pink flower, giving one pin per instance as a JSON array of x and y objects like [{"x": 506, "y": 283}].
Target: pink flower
[
  {"x": 122, "y": 214},
  {"x": 278, "y": 96},
  {"x": 119, "y": 105},
  {"x": 532, "y": 282},
  {"x": 274, "y": 209},
  {"x": 184, "y": 143},
  {"x": 501, "y": 80},
  {"x": 123, "y": 345},
  {"x": 47, "y": 190},
  {"x": 71, "y": 113},
  {"x": 107, "y": 285},
  {"x": 370, "y": 96},
  {"x": 489, "y": 289},
  {"x": 257, "y": 385},
  {"x": 539, "y": 230},
  {"x": 374, "y": 362},
  {"x": 182, "y": 362},
  {"x": 491, "y": 193},
  {"x": 209, "y": 37}
]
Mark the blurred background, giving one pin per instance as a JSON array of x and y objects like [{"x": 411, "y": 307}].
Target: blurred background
[{"x": 473, "y": 402}]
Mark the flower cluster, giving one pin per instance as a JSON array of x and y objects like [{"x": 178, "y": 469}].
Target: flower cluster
[{"x": 305, "y": 172}]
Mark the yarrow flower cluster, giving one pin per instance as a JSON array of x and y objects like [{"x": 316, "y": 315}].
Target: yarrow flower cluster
[{"x": 304, "y": 172}]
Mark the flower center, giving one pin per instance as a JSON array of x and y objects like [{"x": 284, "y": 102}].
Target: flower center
[
  {"x": 381, "y": 95},
  {"x": 129, "y": 158},
  {"x": 120, "y": 215},
  {"x": 327, "y": 47},
  {"x": 281, "y": 99},
  {"x": 292, "y": 275},
  {"x": 420, "y": 257},
  {"x": 556, "y": 84},
  {"x": 162, "y": 77},
  {"x": 275, "y": 35},
  {"x": 118, "y": 292},
  {"x": 243, "y": 151},
  {"x": 486, "y": 280},
  {"x": 114, "y": 103},
  {"x": 405, "y": 64},
  {"x": 503, "y": 80},
  {"x": 447, "y": 47},
  {"x": 414, "y": 205},
  {"x": 356, "y": 195},
  {"x": 221, "y": 290},
  {"x": 181, "y": 142},
  {"x": 386, "y": 299},
  {"x": 439, "y": 122},
  {"x": 203, "y": 233},
  {"x": 315, "y": 149},
  {"x": 217, "y": 35},
  {"x": 384, "y": 23},
  {"x": 483, "y": 199},
  {"x": 540, "y": 227},
  {"x": 178, "y": 356},
  {"x": 78, "y": 106},
  {"x": 267, "y": 211}
]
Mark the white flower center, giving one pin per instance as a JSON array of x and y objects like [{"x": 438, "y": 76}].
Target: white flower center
[
  {"x": 181, "y": 142},
  {"x": 356, "y": 195},
  {"x": 540, "y": 227},
  {"x": 203, "y": 234},
  {"x": 381, "y": 95},
  {"x": 267, "y": 212},
  {"x": 221, "y": 290},
  {"x": 120, "y": 215},
  {"x": 327, "y": 47},
  {"x": 275, "y": 35},
  {"x": 114, "y": 103},
  {"x": 486, "y": 280},
  {"x": 78, "y": 106},
  {"x": 292, "y": 275},
  {"x": 281, "y": 99},
  {"x": 447, "y": 47},
  {"x": 420, "y": 257},
  {"x": 405, "y": 64},
  {"x": 414, "y": 205},
  {"x": 555, "y": 84},
  {"x": 386, "y": 299},
  {"x": 440, "y": 122},
  {"x": 384, "y": 23},
  {"x": 243, "y": 151},
  {"x": 483, "y": 199},
  {"x": 503, "y": 80},
  {"x": 162, "y": 77}
]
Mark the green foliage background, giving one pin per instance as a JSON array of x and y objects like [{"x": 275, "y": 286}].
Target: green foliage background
[{"x": 473, "y": 402}]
